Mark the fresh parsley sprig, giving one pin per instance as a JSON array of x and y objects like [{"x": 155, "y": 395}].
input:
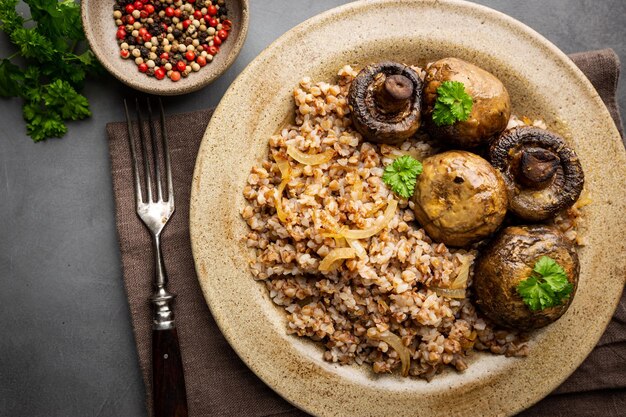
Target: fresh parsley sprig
[
  {"x": 546, "y": 287},
  {"x": 53, "y": 73},
  {"x": 402, "y": 174},
  {"x": 453, "y": 104}
]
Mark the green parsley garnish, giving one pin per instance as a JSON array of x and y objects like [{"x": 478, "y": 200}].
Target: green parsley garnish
[
  {"x": 54, "y": 72},
  {"x": 546, "y": 287},
  {"x": 453, "y": 104},
  {"x": 401, "y": 176}
]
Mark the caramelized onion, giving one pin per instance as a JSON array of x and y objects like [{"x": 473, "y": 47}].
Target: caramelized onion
[
  {"x": 308, "y": 159},
  {"x": 285, "y": 173},
  {"x": 457, "y": 288},
  {"x": 390, "y": 211},
  {"x": 396, "y": 343},
  {"x": 335, "y": 255}
]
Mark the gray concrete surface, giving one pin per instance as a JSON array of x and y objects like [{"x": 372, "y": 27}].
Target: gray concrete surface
[{"x": 66, "y": 346}]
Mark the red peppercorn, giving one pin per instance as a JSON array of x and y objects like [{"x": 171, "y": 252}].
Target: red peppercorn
[
  {"x": 186, "y": 23},
  {"x": 211, "y": 21},
  {"x": 190, "y": 56},
  {"x": 181, "y": 66},
  {"x": 217, "y": 41},
  {"x": 213, "y": 50},
  {"x": 164, "y": 26},
  {"x": 129, "y": 8},
  {"x": 124, "y": 53},
  {"x": 174, "y": 75},
  {"x": 222, "y": 34},
  {"x": 159, "y": 73},
  {"x": 165, "y": 56},
  {"x": 177, "y": 13},
  {"x": 212, "y": 10},
  {"x": 142, "y": 31},
  {"x": 169, "y": 12},
  {"x": 201, "y": 61},
  {"x": 129, "y": 19},
  {"x": 143, "y": 14},
  {"x": 227, "y": 24},
  {"x": 143, "y": 67},
  {"x": 121, "y": 34},
  {"x": 191, "y": 1},
  {"x": 147, "y": 37},
  {"x": 149, "y": 8},
  {"x": 197, "y": 14},
  {"x": 145, "y": 1},
  {"x": 138, "y": 5}
]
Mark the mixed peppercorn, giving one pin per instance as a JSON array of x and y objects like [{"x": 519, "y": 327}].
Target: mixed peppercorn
[{"x": 170, "y": 38}]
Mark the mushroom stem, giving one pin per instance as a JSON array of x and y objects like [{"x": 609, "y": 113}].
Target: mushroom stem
[
  {"x": 393, "y": 94},
  {"x": 537, "y": 167}
]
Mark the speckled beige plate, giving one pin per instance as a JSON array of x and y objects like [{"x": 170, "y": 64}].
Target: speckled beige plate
[
  {"x": 97, "y": 17},
  {"x": 542, "y": 81}
]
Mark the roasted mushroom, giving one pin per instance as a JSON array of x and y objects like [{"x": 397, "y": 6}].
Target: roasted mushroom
[
  {"x": 459, "y": 198},
  {"x": 491, "y": 107},
  {"x": 510, "y": 259},
  {"x": 385, "y": 101},
  {"x": 543, "y": 175}
]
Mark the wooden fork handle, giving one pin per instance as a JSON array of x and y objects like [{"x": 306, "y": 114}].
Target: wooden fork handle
[{"x": 168, "y": 380}]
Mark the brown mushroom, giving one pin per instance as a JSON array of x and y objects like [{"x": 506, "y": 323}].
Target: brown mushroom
[
  {"x": 543, "y": 175},
  {"x": 491, "y": 106},
  {"x": 508, "y": 260},
  {"x": 459, "y": 198},
  {"x": 385, "y": 101}
]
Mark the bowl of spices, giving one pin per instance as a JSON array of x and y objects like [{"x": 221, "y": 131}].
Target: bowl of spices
[{"x": 166, "y": 47}]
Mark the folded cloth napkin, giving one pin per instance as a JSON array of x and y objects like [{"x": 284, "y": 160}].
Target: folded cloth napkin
[{"x": 218, "y": 382}]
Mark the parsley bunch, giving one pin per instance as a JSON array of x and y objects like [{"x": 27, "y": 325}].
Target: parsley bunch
[
  {"x": 53, "y": 73},
  {"x": 401, "y": 176},
  {"x": 453, "y": 104},
  {"x": 546, "y": 287}
]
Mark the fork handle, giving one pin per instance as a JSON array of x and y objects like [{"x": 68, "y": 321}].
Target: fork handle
[{"x": 168, "y": 380}]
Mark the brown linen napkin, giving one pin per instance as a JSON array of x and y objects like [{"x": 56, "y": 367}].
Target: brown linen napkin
[{"x": 218, "y": 383}]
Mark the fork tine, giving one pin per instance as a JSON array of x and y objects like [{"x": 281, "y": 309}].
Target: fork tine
[
  {"x": 133, "y": 155},
  {"x": 155, "y": 152},
  {"x": 166, "y": 152},
  {"x": 144, "y": 149}
]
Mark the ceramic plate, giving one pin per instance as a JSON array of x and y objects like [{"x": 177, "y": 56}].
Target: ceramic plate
[{"x": 543, "y": 83}]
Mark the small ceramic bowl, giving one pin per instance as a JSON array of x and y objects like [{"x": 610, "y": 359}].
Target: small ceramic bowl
[{"x": 100, "y": 30}]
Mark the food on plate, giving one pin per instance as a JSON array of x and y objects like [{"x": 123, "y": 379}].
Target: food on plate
[
  {"x": 459, "y": 198},
  {"x": 543, "y": 175},
  {"x": 366, "y": 231},
  {"x": 385, "y": 101},
  {"x": 527, "y": 277},
  {"x": 447, "y": 83},
  {"x": 167, "y": 39}
]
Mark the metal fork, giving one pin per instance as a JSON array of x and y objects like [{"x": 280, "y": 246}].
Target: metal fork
[{"x": 168, "y": 381}]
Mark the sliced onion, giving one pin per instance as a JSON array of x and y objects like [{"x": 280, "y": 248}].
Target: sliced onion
[
  {"x": 308, "y": 159},
  {"x": 390, "y": 211},
  {"x": 282, "y": 216},
  {"x": 449, "y": 292},
  {"x": 335, "y": 255},
  {"x": 460, "y": 282},
  {"x": 396, "y": 343},
  {"x": 358, "y": 248}
]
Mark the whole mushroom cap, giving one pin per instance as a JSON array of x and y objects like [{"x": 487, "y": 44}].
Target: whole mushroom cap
[
  {"x": 491, "y": 107},
  {"x": 459, "y": 198},
  {"x": 385, "y": 101},
  {"x": 509, "y": 259},
  {"x": 543, "y": 175}
]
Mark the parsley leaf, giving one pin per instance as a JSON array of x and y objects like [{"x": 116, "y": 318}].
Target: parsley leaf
[
  {"x": 453, "y": 104},
  {"x": 9, "y": 17},
  {"x": 61, "y": 96},
  {"x": 10, "y": 77},
  {"x": 547, "y": 286},
  {"x": 402, "y": 174}
]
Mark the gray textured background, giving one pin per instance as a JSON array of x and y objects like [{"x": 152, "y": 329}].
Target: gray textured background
[{"x": 66, "y": 345}]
